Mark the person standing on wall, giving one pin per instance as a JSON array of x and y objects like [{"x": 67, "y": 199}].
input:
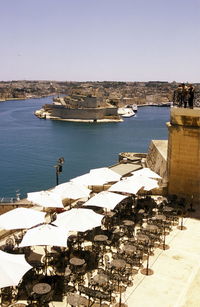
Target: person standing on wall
[
  {"x": 191, "y": 96},
  {"x": 184, "y": 95},
  {"x": 177, "y": 97}
]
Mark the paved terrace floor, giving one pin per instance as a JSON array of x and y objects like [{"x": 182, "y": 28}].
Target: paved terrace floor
[{"x": 176, "y": 278}]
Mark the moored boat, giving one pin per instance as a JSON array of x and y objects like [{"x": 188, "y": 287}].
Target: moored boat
[
  {"x": 134, "y": 107},
  {"x": 126, "y": 112}
]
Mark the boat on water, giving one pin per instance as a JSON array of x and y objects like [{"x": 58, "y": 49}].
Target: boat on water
[
  {"x": 134, "y": 107},
  {"x": 126, "y": 112}
]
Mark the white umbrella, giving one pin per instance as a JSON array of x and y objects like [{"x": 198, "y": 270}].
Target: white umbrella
[
  {"x": 147, "y": 172},
  {"x": 78, "y": 219},
  {"x": 88, "y": 179},
  {"x": 20, "y": 218},
  {"x": 105, "y": 199},
  {"x": 145, "y": 182},
  {"x": 45, "y": 199},
  {"x": 45, "y": 235},
  {"x": 126, "y": 186},
  {"x": 71, "y": 190},
  {"x": 150, "y": 184},
  {"x": 12, "y": 269},
  {"x": 105, "y": 174}
]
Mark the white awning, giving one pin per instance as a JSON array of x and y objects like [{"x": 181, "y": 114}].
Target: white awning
[
  {"x": 105, "y": 199},
  {"x": 71, "y": 190},
  {"x": 20, "y": 218},
  {"x": 45, "y": 235},
  {"x": 147, "y": 172},
  {"x": 78, "y": 219},
  {"x": 45, "y": 199}
]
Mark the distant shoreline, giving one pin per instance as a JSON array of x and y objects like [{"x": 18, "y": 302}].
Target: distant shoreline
[
  {"x": 26, "y": 98},
  {"x": 164, "y": 104}
]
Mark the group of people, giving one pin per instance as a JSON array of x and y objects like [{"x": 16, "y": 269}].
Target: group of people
[{"x": 184, "y": 96}]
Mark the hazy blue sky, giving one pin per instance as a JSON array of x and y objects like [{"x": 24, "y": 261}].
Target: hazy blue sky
[{"x": 127, "y": 40}]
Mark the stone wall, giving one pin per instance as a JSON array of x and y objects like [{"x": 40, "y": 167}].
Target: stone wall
[
  {"x": 184, "y": 153},
  {"x": 82, "y": 102},
  {"x": 156, "y": 158},
  {"x": 85, "y": 114}
]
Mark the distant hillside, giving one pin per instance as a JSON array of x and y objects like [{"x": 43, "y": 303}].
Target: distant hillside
[{"x": 117, "y": 93}]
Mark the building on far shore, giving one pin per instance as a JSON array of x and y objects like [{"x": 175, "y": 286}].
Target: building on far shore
[{"x": 80, "y": 108}]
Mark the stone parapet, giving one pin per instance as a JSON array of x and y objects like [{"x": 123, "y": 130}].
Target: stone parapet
[
  {"x": 185, "y": 117},
  {"x": 184, "y": 153}
]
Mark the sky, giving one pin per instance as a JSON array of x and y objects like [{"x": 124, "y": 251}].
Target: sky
[{"x": 100, "y": 40}]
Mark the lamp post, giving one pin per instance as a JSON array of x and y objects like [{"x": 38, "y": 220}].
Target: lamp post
[{"x": 58, "y": 167}]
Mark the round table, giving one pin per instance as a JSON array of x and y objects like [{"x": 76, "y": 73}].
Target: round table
[
  {"x": 132, "y": 240},
  {"x": 128, "y": 223},
  {"x": 142, "y": 238},
  {"x": 41, "y": 288},
  {"x": 75, "y": 299},
  {"x": 118, "y": 263},
  {"x": 159, "y": 217},
  {"x": 100, "y": 238},
  {"x": 100, "y": 279},
  {"x": 152, "y": 228},
  {"x": 129, "y": 249},
  {"x": 77, "y": 261}
]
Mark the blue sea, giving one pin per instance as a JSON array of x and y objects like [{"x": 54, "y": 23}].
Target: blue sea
[{"x": 30, "y": 147}]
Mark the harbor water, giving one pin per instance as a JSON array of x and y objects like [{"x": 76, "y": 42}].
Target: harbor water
[{"x": 30, "y": 147}]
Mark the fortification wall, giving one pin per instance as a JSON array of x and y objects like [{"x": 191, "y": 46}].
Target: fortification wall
[
  {"x": 184, "y": 153},
  {"x": 82, "y": 102},
  {"x": 85, "y": 114}
]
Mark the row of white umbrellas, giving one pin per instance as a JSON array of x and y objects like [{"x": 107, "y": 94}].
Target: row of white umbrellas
[
  {"x": 77, "y": 187},
  {"x": 13, "y": 267},
  {"x": 54, "y": 197},
  {"x": 74, "y": 219},
  {"x": 97, "y": 176},
  {"x": 74, "y": 189}
]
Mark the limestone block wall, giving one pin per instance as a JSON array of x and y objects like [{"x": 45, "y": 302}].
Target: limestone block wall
[
  {"x": 184, "y": 153},
  {"x": 156, "y": 158},
  {"x": 87, "y": 114}
]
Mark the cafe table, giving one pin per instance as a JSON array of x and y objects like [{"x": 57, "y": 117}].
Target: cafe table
[
  {"x": 41, "y": 288},
  {"x": 75, "y": 299},
  {"x": 100, "y": 238},
  {"x": 129, "y": 249},
  {"x": 77, "y": 261},
  {"x": 100, "y": 279},
  {"x": 118, "y": 264}
]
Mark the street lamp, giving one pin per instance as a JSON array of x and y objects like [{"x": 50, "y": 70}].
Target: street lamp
[{"x": 59, "y": 167}]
